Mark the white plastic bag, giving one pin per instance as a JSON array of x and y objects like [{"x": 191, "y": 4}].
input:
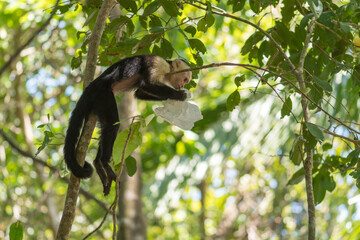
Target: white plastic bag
[{"x": 180, "y": 113}]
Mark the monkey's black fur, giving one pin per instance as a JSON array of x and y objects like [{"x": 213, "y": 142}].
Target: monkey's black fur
[{"x": 138, "y": 72}]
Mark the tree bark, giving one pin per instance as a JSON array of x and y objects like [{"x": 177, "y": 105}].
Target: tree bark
[
  {"x": 132, "y": 224},
  {"x": 308, "y": 162},
  {"x": 74, "y": 185}
]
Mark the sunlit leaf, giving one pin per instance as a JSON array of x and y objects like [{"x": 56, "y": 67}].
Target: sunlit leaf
[
  {"x": 170, "y": 7},
  {"x": 129, "y": 5},
  {"x": 191, "y": 30},
  {"x": 197, "y": 44},
  {"x": 353, "y": 157},
  {"x": 239, "y": 79},
  {"x": 233, "y": 100},
  {"x": 316, "y": 7},
  {"x": 151, "y": 8},
  {"x": 135, "y": 141},
  {"x": 16, "y": 231}
]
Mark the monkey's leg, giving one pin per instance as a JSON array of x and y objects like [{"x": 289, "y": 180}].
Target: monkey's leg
[
  {"x": 99, "y": 167},
  {"x": 108, "y": 116}
]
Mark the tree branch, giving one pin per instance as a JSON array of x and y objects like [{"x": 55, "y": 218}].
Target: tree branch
[
  {"x": 74, "y": 185},
  {"x": 275, "y": 74},
  {"x": 224, "y": 14},
  {"x": 308, "y": 163},
  {"x": 354, "y": 141}
]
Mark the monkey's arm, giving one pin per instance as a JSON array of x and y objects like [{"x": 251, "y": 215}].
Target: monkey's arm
[{"x": 159, "y": 92}]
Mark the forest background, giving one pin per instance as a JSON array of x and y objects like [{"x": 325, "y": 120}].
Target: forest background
[{"x": 275, "y": 157}]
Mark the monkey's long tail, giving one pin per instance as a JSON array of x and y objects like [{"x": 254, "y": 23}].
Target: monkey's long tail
[{"x": 81, "y": 111}]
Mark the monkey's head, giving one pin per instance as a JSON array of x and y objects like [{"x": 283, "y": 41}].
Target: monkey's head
[{"x": 178, "y": 80}]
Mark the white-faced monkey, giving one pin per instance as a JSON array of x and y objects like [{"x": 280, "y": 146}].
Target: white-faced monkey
[{"x": 148, "y": 76}]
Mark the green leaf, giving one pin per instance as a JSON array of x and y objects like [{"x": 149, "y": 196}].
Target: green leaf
[
  {"x": 135, "y": 141},
  {"x": 309, "y": 140},
  {"x": 166, "y": 48},
  {"x": 197, "y": 44},
  {"x": 157, "y": 50},
  {"x": 64, "y": 8},
  {"x": 76, "y": 62},
  {"x": 316, "y": 7},
  {"x": 157, "y": 29},
  {"x": 353, "y": 157},
  {"x": 324, "y": 85},
  {"x": 145, "y": 42},
  {"x": 315, "y": 131},
  {"x": 205, "y": 23},
  {"x": 239, "y": 79},
  {"x": 130, "y": 165},
  {"x": 326, "y": 146},
  {"x": 233, "y": 100},
  {"x": 328, "y": 181},
  {"x": 129, "y": 5},
  {"x": 191, "y": 30},
  {"x": 170, "y": 7},
  {"x": 255, "y": 6},
  {"x": 191, "y": 84},
  {"x": 151, "y": 8},
  {"x": 148, "y": 119},
  {"x": 143, "y": 22},
  {"x": 47, "y": 139},
  {"x": 297, "y": 177},
  {"x": 16, "y": 231},
  {"x": 251, "y": 42},
  {"x": 116, "y": 23},
  {"x": 296, "y": 151},
  {"x": 286, "y": 108},
  {"x": 355, "y": 174},
  {"x": 345, "y": 27},
  {"x": 155, "y": 21},
  {"x": 319, "y": 190},
  {"x": 238, "y": 5}
]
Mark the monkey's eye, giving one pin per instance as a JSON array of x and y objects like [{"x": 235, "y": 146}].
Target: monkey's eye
[{"x": 186, "y": 80}]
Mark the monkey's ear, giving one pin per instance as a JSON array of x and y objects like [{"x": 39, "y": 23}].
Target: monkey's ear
[{"x": 176, "y": 63}]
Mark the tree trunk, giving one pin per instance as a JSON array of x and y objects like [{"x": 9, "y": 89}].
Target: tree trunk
[{"x": 132, "y": 224}]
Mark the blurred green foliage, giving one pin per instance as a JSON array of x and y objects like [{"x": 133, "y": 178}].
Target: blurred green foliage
[{"x": 248, "y": 149}]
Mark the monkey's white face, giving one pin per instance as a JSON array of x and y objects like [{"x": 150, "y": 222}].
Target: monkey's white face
[{"x": 179, "y": 80}]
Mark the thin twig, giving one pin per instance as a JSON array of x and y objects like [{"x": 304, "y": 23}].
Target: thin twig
[
  {"x": 274, "y": 90},
  {"x": 101, "y": 223},
  {"x": 355, "y": 141},
  {"x": 224, "y": 14},
  {"x": 308, "y": 162},
  {"x": 117, "y": 183},
  {"x": 212, "y": 65}
]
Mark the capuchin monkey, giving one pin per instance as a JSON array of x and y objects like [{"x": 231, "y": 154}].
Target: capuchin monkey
[{"x": 149, "y": 76}]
